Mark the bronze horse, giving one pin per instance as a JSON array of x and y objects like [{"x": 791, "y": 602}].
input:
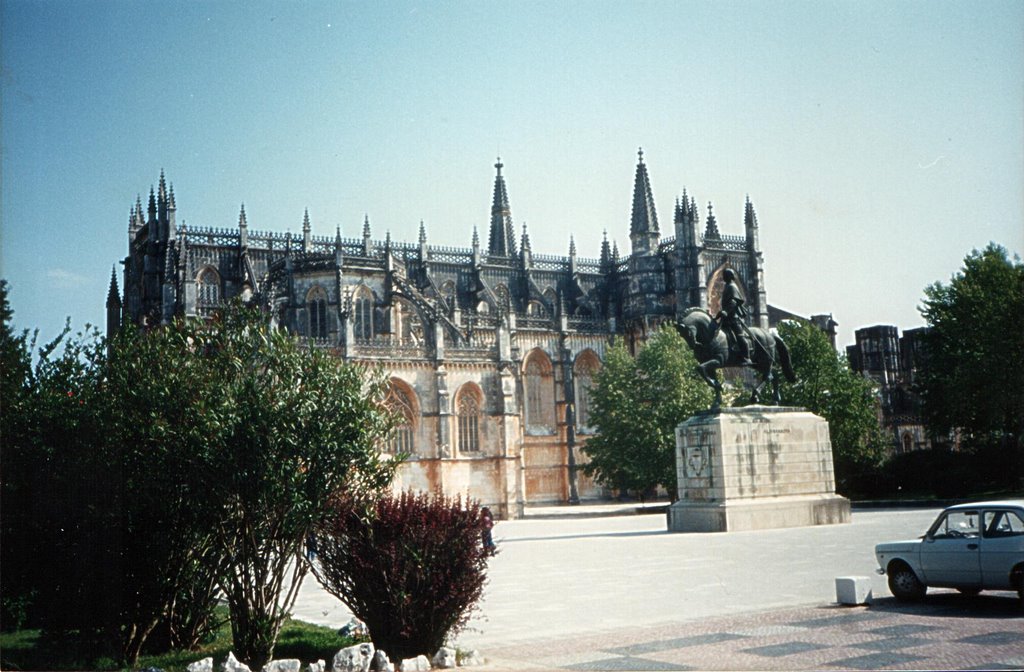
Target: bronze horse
[{"x": 711, "y": 348}]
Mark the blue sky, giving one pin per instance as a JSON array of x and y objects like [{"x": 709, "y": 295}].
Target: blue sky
[{"x": 879, "y": 142}]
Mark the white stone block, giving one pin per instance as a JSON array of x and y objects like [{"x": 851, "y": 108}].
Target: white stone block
[
  {"x": 417, "y": 664},
  {"x": 853, "y": 590},
  {"x": 283, "y": 665},
  {"x": 204, "y": 665},
  {"x": 232, "y": 664}
]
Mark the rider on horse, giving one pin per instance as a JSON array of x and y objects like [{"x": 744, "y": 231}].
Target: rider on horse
[{"x": 732, "y": 314}]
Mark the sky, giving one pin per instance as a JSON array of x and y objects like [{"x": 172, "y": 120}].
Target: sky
[{"x": 879, "y": 142}]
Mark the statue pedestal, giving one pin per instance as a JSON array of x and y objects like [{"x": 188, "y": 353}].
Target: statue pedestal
[{"x": 754, "y": 468}]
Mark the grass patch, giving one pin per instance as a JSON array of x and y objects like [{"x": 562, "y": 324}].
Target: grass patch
[{"x": 38, "y": 650}]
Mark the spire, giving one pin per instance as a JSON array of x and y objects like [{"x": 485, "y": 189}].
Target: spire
[
  {"x": 711, "y": 231},
  {"x": 572, "y": 246},
  {"x": 749, "y": 216},
  {"x": 424, "y": 253},
  {"x": 502, "y": 241},
  {"x": 750, "y": 224},
  {"x": 476, "y": 247},
  {"x": 606, "y": 250},
  {"x": 305, "y": 231},
  {"x": 243, "y": 228},
  {"x": 113, "y": 295},
  {"x": 172, "y": 209},
  {"x": 643, "y": 227},
  {"x": 161, "y": 201},
  {"x": 337, "y": 246},
  {"x": 525, "y": 250},
  {"x": 152, "y": 204},
  {"x": 615, "y": 251},
  {"x": 367, "y": 244}
]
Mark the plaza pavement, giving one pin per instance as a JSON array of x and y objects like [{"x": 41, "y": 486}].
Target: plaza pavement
[{"x": 594, "y": 590}]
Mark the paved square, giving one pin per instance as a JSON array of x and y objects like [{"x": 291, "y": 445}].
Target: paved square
[{"x": 621, "y": 593}]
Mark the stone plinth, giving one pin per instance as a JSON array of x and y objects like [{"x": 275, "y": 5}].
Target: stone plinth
[{"x": 754, "y": 468}]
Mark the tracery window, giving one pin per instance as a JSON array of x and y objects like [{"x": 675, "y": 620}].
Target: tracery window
[
  {"x": 535, "y": 309},
  {"x": 468, "y": 411},
  {"x": 584, "y": 371},
  {"x": 540, "y": 395},
  {"x": 207, "y": 291},
  {"x": 363, "y": 308},
  {"x": 401, "y": 440},
  {"x": 316, "y": 305}
]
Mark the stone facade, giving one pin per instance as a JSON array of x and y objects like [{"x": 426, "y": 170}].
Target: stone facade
[{"x": 490, "y": 350}]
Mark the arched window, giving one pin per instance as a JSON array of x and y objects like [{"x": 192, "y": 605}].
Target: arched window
[
  {"x": 398, "y": 401},
  {"x": 363, "y": 308},
  {"x": 483, "y": 308},
  {"x": 536, "y": 309},
  {"x": 908, "y": 443},
  {"x": 316, "y": 307},
  {"x": 586, "y": 368},
  {"x": 468, "y": 411},
  {"x": 540, "y": 395},
  {"x": 207, "y": 291}
]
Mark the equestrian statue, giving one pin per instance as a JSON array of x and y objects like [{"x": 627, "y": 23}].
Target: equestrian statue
[{"x": 725, "y": 341}]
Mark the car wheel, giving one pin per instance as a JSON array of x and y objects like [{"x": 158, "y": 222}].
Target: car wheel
[
  {"x": 1017, "y": 581},
  {"x": 903, "y": 583}
]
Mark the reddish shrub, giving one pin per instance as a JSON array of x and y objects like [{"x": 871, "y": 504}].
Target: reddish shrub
[{"x": 411, "y": 567}]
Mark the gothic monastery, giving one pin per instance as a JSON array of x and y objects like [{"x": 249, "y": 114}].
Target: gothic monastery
[{"x": 490, "y": 350}]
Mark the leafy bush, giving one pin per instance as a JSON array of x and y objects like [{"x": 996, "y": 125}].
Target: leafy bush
[{"x": 411, "y": 567}]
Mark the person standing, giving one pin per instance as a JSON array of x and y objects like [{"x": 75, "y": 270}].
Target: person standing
[{"x": 488, "y": 525}]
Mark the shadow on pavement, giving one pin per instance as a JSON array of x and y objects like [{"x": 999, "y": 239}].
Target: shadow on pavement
[{"x": 955, "y": 605}]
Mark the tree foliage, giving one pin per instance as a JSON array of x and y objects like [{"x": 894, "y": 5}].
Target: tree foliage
[
  {"x": 261, "y": 433},
  {"x": 828, "y": 387},
  {"x": 636, "y": 405},
  {"x": 973, "y": 375},
  {"x": 194, "y": 456},
  {"x": 411, "y": 567}
]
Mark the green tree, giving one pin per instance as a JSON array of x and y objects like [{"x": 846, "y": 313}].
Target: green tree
[
  {"x": 15, "y": 389},
  {"x": 291, "y": 427},
  {"x": 973, "y": 378},
  {"x": 826, "y": 386},
  {"x": 637, "y": 403}
]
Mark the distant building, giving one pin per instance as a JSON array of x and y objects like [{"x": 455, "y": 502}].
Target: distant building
[
  {"x": 491, "y": 350},
  {"x": 823, "y": 322},
  {"x": 893, "y": 362}
]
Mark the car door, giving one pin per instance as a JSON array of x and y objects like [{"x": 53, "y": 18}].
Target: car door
[
  {"x": 950, "y": 553},
  {"x": 1002, "y": 546}
]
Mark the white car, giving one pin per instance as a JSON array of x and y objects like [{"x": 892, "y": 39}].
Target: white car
[{"x": 970, "y": 547}]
